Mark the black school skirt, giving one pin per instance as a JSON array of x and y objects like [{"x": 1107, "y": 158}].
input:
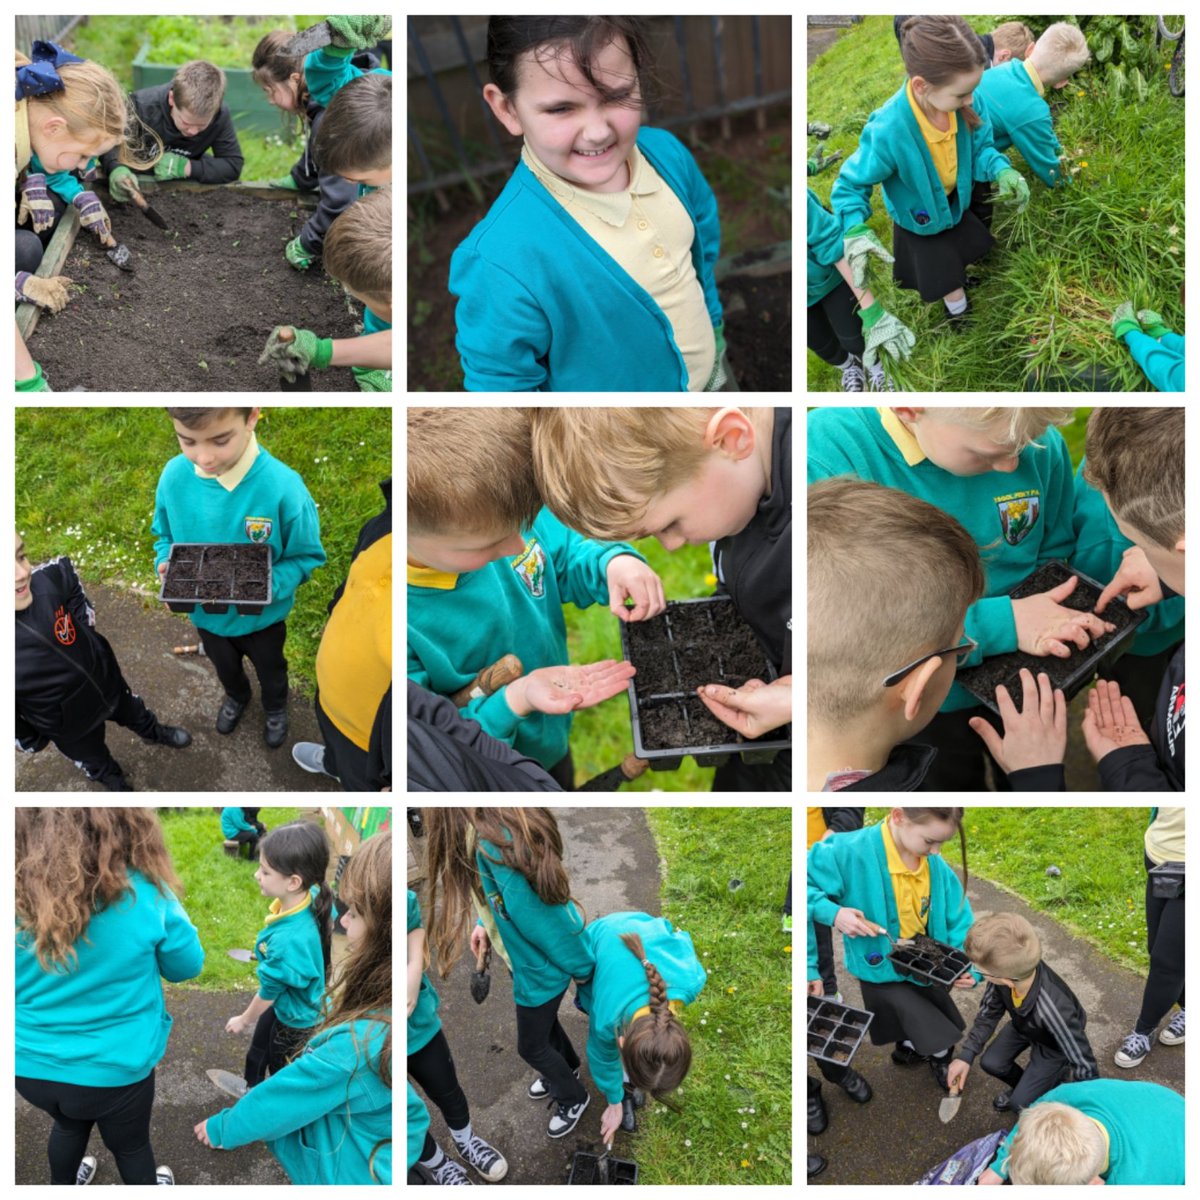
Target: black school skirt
[
  {"x": 926, "y": 1016},
  {"x": 935, "y": 264}
]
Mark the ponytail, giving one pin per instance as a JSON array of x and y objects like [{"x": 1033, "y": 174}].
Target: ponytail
[
  {"x": 657, "y": 1053},
  {"x": 322, "y": 911}
]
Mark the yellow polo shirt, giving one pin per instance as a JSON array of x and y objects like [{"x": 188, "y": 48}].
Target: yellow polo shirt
[
  {"x": 943, "y": 147},
  {"x": 816, "y": 826},
  {"x": 911, "y": 888}
]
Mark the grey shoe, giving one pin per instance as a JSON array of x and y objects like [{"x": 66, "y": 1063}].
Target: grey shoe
[
  {"x": 310, "y": 756},
  {"x": 1174, "y": 1032}
]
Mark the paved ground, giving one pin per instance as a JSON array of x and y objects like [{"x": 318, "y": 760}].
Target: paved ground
[
  {"x": 611, "y": 858},
  {"x": 897, "y": 1136},
  {"x": 180, "y": 691}
]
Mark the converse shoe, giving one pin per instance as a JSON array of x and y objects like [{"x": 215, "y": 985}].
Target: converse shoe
[
  {"x": 1133, "y": 1049},
  {"x": 566, "y": 1116},
  {"x": 853, "y": 379},
  {"x": 87, "y": 1170},
  {"x": 164, "y": 1175},
  {"x": 538, "y": 1089},
  {"x": 879, "y": 382},
  {"x": 487, "y": 1160},
  {"x": 449, "y": 1174},
  {"x": 1173, "y": 1034}
]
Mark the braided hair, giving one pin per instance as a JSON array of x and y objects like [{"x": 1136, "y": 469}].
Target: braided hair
[{"x": 656, "y": 1051}]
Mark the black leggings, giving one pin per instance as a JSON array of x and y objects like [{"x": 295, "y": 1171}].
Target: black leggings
[
  {"x": 433, "y": 1069},
  {"x": 122, "y": 1113},
  {"x": 834, "y": 327},
  {"x": 543, "y": 1043},
  {"x": 272, "y": 1047},
  {"x": 1164, "y": 938}
]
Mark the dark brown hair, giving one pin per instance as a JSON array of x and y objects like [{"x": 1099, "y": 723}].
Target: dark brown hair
[
  {"x": 198, "y": 418},
  {"x": 269, "y": 64},
  {"x": 922, "y": 816},
  {"x": 355, "y": 134},
  {"x": 656, "y": 1052},
  {"x": 938, "y": 49}
]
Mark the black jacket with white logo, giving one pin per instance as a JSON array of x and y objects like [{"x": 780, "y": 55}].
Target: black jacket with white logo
[{"x": 1159, "y": 766}]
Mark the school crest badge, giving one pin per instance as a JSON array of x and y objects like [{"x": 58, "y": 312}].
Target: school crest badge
[
  {"x": 261, "y": 951},
  {"x": 497, "y": 902},
  {"x": 258, "y": 529},
  {"x": 531, "y": 568},
  {"x": 1018, "y": 516}
]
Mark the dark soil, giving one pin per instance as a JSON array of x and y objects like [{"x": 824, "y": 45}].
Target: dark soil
[
  {"x": 236, "y": 572},
  {"x": 759, "y": 336},
  {"x": 198, "y": 308},
  {"x": 584, "y": 1171},
  {"x": 683, "y": 723},
  {"x": 179, "y": 589},
  {"x": 1071, "y": 673}
]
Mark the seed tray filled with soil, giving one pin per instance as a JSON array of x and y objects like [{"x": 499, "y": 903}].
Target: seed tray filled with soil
[
  {"x": 583, "y": 1170},
  {"x": 835, "y": 1030},
  {"x": 929, "y": 961},
  {"x": 693, "y": 643},
  {"x": 1167, "y": 880},
  {"x": 1071, "y": 674},
  {"x": 216, "y": 575}
]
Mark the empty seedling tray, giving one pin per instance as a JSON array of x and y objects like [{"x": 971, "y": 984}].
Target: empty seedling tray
[
  {"x": 835, "y": 1031},
  {"x": 215, "y": 575},
  {"x": 1071, "y": 673},
  {"x": 930, "y": 961},
  {"x": 693, "y": 643},
  {"x": 583, "y": 1169}
]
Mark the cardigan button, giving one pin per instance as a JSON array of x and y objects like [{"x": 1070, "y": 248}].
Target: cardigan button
[
  {"x": 643, "y": 224},
  {"x": 658, "y": 252}
]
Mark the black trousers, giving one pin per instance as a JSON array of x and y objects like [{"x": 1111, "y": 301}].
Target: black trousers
[
  {"x": 30, "y": 246},
  {"x": 90, "y": 753},
  {"x": 1164, "y": 938},
  {"x": 342, "y": 757},
  {"x": 961, "y": 754},
  {"x": 122, "y": 1113},
  {"x": 834, "y": 327},
  {"x": 272, "y": 1047},
  {"x": 1041, "y": 1074},
  {"x": 245, "y": 837},
  {"x": 264, "y": 649},
  {"x": 543, "y": 1043},
  {"x": 433, "y": 1069}
]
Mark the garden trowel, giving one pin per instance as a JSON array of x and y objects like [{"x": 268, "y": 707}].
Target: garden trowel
[
  {"x": 143, "y": 206},
  {"x": 242, "y": 955},
  {"x": 313, "y": 38},
  {"x": 602, "y": 1164},
  {"x": 118, "y": 254},
  {"x": 481, "y": 980},
  {"x": 949, "y": 1106}
]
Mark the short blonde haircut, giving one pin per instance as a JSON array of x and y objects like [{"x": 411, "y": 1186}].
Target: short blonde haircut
[
  {"x": 1022, "y": 426},
  {"x": 199, "y": 87},
  {"x": 1135, "y": 456},
  {"x": 890, "y": 578},
  {"x": 1004, "y": 945},
  {"x": 1061, "y": 51},
  {"x": 600, "y": 469},
  {"x": 1055, "y": 1143},
  {"x": 1014, "y": 37},
  {"x": 469, "y": 471},
  {"x": 358, "y": 247}
]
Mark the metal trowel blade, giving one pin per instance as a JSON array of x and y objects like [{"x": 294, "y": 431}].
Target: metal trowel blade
[
  {"x": 242, "y": 955},
  {"x": 119, "y": 256},
  {"x": 949, "y": 1107},
  {"x": 311, "y": 39}
]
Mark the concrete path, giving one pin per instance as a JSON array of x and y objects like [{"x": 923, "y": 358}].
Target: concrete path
[
  {"x": 180, "y": 691},
  {"x": 896, "y": 1136},
  {"x": 613, "y": 865}
]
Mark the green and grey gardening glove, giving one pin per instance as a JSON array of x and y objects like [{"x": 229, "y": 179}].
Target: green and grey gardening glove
[
  {"x": 358, "y": 33},
  {"x": 171, "y": 166},
  {"x": 297, "y": 355},
  {"x": 1152, "y": 322},
  {"x": 1123, "y": 321},
  {"x": 296, "y": 254},
  {"x": 1012, "y": 188},
  {"x": 885, "y": 332},
  {"x": 376, "y": 379},
  {"x": 122, "y": 183},
  {"x": 859, "y": 244},
  {"x": 284, "y": 183}
]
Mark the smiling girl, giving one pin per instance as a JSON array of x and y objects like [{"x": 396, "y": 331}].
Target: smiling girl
[{"x": 593, "y": 269}]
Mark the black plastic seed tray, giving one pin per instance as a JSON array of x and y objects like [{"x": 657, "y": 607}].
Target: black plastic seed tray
[
  {"x": 215, "y": 575},
  {"x": 1073, "y": 673},
  {"x": 835, "y": 1030},
  {"x": 930, "y": 961},
  {"x": 1166, "y": 880},
  {"x": 693, "y": 643},
  {"x": 583, "y": 1169}
]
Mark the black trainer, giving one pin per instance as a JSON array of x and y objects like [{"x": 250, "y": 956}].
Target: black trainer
[
  {"x": 230, "y": 714},
  {"x": 538, "y": 1089},
  {"x": 170, "y": 735},
  {"x": 906, "y": 1056},
  {"x": 818, "y": 1117},
  {"x": 940, "y": 1067},
  {"x": 566, "y": 1116},
  {"x": 1001, "y": 1102}
]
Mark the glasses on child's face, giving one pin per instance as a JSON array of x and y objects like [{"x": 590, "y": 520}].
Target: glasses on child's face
[{"x": 961, "y": 654}]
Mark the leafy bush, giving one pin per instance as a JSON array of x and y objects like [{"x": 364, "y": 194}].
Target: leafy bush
[{"x": 225, "y": 41}]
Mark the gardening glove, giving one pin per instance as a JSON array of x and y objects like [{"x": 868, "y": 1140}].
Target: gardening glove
[
  {"x": 296, "y": 254},
  {"x": 884, "y": 332},
  {"x": 819, "y": 129},
  {"x": 36, "y": 203},
  {"x": 48, "y": 293},
  {"x": 358, "y": 33},
  {"x": 819, "y": 162},
  {"x": 171, "y": 166},
  {"x": 1012, "y": 188},
  {"x": 717, "y": 379},
  {"x": 1123, "y": 321},
  {"x": 92, "y": 215},
  {"x": 91, "y": 172},
  {"x": 859, "y": 243},
  {"x": 296, "y": 357},
  {"x": 374, "y": 380},
  {"x": 36, "y": 384},
  {"x": 122, "y": 184},
  {"x": 285, "y": 182},
  {"x": 1152, "y": 322}
]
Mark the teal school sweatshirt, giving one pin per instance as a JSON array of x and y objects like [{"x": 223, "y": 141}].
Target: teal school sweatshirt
[
  {"x": 103, "y": 1021},
  {"x": 234, "y": 822},
  {"x": 291, "y": 966},
  {"x": 418, "y": 1127},
  {"x": 1162, "y": 362},
  {"x": 1021, "y": 117},
  {"x": 424, "y": 1022},
  {"x": 1019, "y": 520},
  {"x": 825, "y": 249}
]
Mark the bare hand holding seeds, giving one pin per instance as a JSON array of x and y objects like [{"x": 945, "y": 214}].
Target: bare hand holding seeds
[
  {"x": 753, "y": 709},
  {"x": 564, "y": 689},
  {"x": 1111, "y": 722}
]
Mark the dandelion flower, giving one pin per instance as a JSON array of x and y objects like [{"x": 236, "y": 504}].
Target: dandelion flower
[{"x": 1083, "y": 164}]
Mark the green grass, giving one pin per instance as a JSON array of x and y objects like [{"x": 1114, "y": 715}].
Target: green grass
[
  {"x": 1050, "y": 284},
  {"x": 737, "y": 1099},
  {"x": 1100, "y": 894},
  {"x": 220, "y": 895},
  {"x": 86, "y": 477}
]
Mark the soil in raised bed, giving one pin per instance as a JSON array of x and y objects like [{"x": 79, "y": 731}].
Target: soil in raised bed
[
  {"x": 198, "y": 308},
  {"x": 759, "y": 337}
]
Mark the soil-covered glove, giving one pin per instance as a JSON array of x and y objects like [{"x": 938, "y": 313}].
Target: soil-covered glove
[
  {"x": 50, "y": 294},
  {"x": 36, "y": 203},
  {"x": 296, "y": 254},
  {"x": 1152, "y": 322},
  {"x": 1012, "y": 188},
  {"x": 285, "y": 183},
  {"x": 36, "y": 384},
  {"x": 122, "y": 184},
  {"x": 374, "y": 380},
  {"x": 1123, "y": 321},
  {"x": 885, "y": 332},
  {"x": 171, "y": 166},
  {"x": 860, "y": 243},
  {"x": 92, "y": 215},
  {"x": 819, "y": 129},
  {"x": 359, "y": 33},
  {"x": 296, "y": 357}
]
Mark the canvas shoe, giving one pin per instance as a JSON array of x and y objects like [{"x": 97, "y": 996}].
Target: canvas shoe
[
  {"x": 487, "y": 1160},
  {"x": 1173, "y": 1034},
  {"x": 878, "y": 380},
  {"x": 1133, "y": 1049},
  {"x": 87, "y": 1170},
  {"x": 164, "y": 1175},
  {"x": 566, "y": 1116},
  {"x": 450, "y": 1174},
  {"x": 853, "y": 379}
]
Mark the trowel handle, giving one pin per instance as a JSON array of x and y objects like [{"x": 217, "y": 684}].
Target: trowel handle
[
  {"x": 491, "y": 679},
  {"x": 140, "y": 200}
]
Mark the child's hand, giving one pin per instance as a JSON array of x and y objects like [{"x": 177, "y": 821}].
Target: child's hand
[
  {"x": 237, "y": 1024},
  {"x": 753, "y": 709},
  {"x": 610, "y": 1122},
  {"x": 956, "y": 1074},
  {"x": 122, "y": 183},
  {"x": 852, "y": 923},
  {"x": 1044, "y": 626},
  {"x": 816, "y": 987},
  {"x": 964, "y": 981},
  {"x": 36, "y": 203},
  {"x": 296, "y": 254},
  {"x": 359, "y": 33},
  {"x": 560, "y": 690},
  {"x": 162, "y": 570},
  {"x": 629, "y": 576},
  {"x": 201, "y": 1132},
  {"x": 92, "y": 216},
  {"x": 1111, "y": 722},
  {"x": 1135, "y": 579},
  {"x": 172, "y": 166},
  {"x": 1034, "y": 737},
  {"x": 479, "y": 940},
  {"x": 296, "y": 351}
]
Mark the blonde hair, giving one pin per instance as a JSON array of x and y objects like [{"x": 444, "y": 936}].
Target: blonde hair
[
  {"x": 1004, "y": 945},
  {"x": 358, "y": 247},
  {"x": 1055, "y": 1143},
  {"x": 1060, "y": 52},
  {"x": 469, "y": 471},
  {"x": 94, "y": 108},
  {"x": 1012, "y": 36},
  {"x": 1135, "y": 456},
  {"x": 1022, "y": 426},
  {"x": 600, "y": 469},
  {"x": 199, "y": 87},
  {"x": 890, "y": 578}
]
